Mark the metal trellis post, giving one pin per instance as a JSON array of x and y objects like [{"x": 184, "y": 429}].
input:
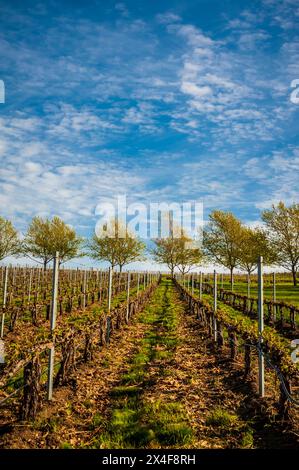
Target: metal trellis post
[
  {"x": 274, "y": 296},
  {"x": 52, "y": 325},
  {"x": 200, "y": 286},
  {"x": 5, "y": 282},
  {"x": 261, "y": 327},
  {"x": 128, "y": 296},
  {"x": 215, "y": 308}
]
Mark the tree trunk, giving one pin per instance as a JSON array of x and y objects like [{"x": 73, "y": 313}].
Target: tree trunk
[
  {"x": 120, "y": 268},
  {"x": 232, "y": 278},
  {"x": 45, "y": 264},
  {"x": 248, "y": 283},
  {"x": 294, "y": 276}
]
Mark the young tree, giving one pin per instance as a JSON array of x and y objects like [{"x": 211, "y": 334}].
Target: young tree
[
  {"x": 9, "y": 240},
  {"x": 222, "y": 240},
  {"x": 165, "y": 252},
  {"x": 64, "y": 240},
  {"x": 116, "y": 245},
  {"x": 103, "y": 249},
  {"x": 282, "y": 224},
  {"x": 130, "y": 249},
  {"x": 37, "y": 242},
  {"x": 45, "y": 237},
  {"x": 177, "y": 251},
  {"x": 254, "y": 243},
  {"x": 187, "y": 257}
]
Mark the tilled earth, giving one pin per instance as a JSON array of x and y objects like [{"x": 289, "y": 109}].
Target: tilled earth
[{"x": 181, "y": 379}]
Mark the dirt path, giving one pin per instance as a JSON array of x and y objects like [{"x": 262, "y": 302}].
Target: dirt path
[
  {"x": 158, "y": 385},
  {"x": 177, "y": 393}
]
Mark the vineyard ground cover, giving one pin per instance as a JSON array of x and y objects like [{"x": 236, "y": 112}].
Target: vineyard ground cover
[
  {"x": 26, "y": 335},
  {"x": 271, "y": 380},
  {"x": 80, "y": 405},
  {"x": 15, "y": 383},
  {"x": 137, "y": 420},
  {"x": 237, "y": 315},
  {"x": 285, "y": 291},
  {"x": 252, "y": 324},
  {"x": 285, "y": 334},
  {"x": 16, "y": 341},
  {"x": 159, "y": 384},
  {"x": 240, "y": 334},
  {"x": 29, "y": 291}
]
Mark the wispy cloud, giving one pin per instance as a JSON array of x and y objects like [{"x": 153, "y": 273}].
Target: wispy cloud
[{"x": 151, "y": 102}]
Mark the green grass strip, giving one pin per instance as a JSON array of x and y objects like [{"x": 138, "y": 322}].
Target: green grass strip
[{"x": 136, "y": 422}]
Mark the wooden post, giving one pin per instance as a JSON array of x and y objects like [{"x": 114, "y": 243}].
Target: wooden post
[
  {"x": 247, "y": 360},
  {"x": 52, "y": 325},
  {"x": 31, "y": 390},
  {"x": 5, "y": 282},
  {"x": 233, "y": 345},
  {"x": 108, "y": 329},
  {"x": 261, "y": 327}
]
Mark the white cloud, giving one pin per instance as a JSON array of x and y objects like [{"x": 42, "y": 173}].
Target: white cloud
[
  {"x": 113, "y": 84},
  {"x": 252, "y": 39},
  {"x": 194, "y": 90},
  {"x": 277, "y": 174},
  {"x": 194, "y": 36},
  {"x": 168, "y": 17}
]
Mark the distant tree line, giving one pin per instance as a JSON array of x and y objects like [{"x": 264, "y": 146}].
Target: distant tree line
[
  {"x": 226, "y": 242},
  {"x": 230, "y": 243}
]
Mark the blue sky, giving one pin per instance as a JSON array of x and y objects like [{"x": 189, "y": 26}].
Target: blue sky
[{"x": 161, "y": 100}]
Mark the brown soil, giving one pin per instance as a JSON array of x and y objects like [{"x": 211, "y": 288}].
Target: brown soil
[{"x": 197, "y": 377}]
